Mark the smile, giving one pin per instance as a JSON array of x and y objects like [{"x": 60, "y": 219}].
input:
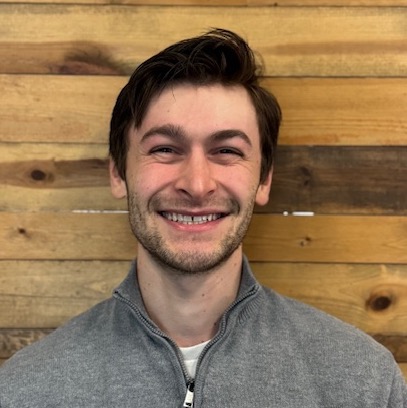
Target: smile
[{"x": 189, "y": 219}]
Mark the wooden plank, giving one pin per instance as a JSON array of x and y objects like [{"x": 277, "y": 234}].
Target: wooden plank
[
  {"x": 403, "y": 367},
  {"x": 57, "y": 109},
  {"x": 306, "y": 178},
  {"x": 87, "y": 236},
  {"x": 47, "y": 294},
  {"x": 313, "y": 3},
  {"x": 273, "y": 3},
  {"x": 55, "y": 177},
  {"x": 371, "y": 297},
  {"x": 339, "y": 179},
  {"x": 346, "y": 239},
  {"x": 44, "y": 294},
  {"x": 338, "y": 111},
  {"x": 86, "y": 39},
  {"x": 233, "y": 3},
  {"x": 342, "y": 111}
]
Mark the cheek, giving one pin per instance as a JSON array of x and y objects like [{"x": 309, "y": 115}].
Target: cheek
[
  {"x": 242, "y": 184},
  {"x": 151, "y": 179}
]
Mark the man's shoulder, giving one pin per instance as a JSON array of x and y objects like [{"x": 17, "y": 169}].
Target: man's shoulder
[{"x": 322, "y": 336}]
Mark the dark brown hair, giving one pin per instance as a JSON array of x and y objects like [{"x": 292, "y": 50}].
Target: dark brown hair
[{"x": 217, "y": 57}]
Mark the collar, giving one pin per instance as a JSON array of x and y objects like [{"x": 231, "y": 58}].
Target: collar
[{"x": 129, "y": 290}]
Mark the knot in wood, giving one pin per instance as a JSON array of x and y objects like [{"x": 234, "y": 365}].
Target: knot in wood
[
  {"x": 306, "y": 241},
  {"x": 379, "y": 302},
  {"x": 306, "y": 176},
  {"x": 38, "y": 175}
]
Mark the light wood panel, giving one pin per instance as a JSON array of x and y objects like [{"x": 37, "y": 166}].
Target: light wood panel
[
  {"x": 330, "y": 111},
  {"x": 327, "y": 239},
  {"x": 44, "y": 294},
  {"x": 273, "y": 3},
  {"x": 47, "y": 294},
  {"x": 361, "y": 41},
  {"x": 371, "y": 297},
  {"x": 270, "y": 238},
  {"x": 60, "y": 177}
]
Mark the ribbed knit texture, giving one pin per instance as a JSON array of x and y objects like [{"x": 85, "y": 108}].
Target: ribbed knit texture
[{"x": 271, "y": 351}]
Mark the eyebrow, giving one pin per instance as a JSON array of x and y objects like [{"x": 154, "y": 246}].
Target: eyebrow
[
  {"x": 177, "y": 133},
  {"x": 223, "y": 135},
  {"x": 172, "y": 131}
]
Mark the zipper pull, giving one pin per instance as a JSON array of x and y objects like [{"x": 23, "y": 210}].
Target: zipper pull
[{"x": 189, "y": 397}]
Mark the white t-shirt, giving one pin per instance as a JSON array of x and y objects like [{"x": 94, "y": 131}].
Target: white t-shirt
[{"x": 191, "y": 355}]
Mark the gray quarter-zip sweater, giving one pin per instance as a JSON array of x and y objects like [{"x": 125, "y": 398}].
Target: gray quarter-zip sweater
[{"x": 270, "y": 351}]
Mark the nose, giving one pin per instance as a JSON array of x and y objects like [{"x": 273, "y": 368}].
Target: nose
[{"x": 196, "y": 177}]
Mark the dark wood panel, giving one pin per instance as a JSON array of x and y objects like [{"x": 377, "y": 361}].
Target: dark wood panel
[
  {"x": 396, "y": 344},
  {"x": 105, "y": 40},
  {"x": 86, "y": 236},
  {"x": 341, "y": 179},
  {"x": 320, "y": 179}
]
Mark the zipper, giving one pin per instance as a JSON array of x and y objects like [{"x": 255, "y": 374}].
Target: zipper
[
  {"x": 189, "y": 381},
  {"x": 189, "y": 396}
]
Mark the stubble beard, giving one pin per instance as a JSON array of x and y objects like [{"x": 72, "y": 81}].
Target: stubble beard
[{"x": 184, "y": 261}]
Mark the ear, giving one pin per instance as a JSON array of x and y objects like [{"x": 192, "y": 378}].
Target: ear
[
  {"x": 117, "y": 184},
  {"x": 263, "y": 191}
]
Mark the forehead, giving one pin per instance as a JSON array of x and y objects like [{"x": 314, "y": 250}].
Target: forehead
[{"x": 203, "y": 110}]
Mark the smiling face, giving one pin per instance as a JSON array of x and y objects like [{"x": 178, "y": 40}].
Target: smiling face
[{"x": 192, "y": 176}]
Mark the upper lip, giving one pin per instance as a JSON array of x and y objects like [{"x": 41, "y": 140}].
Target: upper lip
[{"x": 194, "y": 213}]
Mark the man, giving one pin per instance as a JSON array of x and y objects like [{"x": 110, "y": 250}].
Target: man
[{"x": 192, "y": 141}]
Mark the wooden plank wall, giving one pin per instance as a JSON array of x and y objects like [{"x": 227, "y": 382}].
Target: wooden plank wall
[{"x": 339, "y": 69}]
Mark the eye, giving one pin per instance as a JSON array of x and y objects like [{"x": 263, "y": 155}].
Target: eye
[
  {"x": 231, "y": 151},
  {"x": 163, "y": 149}
]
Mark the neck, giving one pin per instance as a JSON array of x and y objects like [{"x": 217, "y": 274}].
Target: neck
[{"x": 188, "y": 307}]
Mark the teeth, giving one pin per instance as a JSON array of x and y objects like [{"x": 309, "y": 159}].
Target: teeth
[{"x": 190, "y": 220}]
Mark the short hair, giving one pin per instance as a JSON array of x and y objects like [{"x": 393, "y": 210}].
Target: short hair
[{"x": 217, "y": 57}]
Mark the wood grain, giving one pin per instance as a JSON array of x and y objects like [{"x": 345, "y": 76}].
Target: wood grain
[
  {"x": 340, "y": 179},
  {"x": 327, "y": 239},
  {"x": 371, "y": 297},
  {"x": 339, "y": 45},
  {"x": 44, "y": 294},
  {"x": 317, "y": 111},
  {"x": 60, "y": 177},
  {"x": 272, "y": 3},
  {"x": 107, "y": 236},
  {"x": 47, "y": 294}
]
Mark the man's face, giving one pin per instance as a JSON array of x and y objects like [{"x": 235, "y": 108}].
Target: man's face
[{"x": 192, "y": 176}]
